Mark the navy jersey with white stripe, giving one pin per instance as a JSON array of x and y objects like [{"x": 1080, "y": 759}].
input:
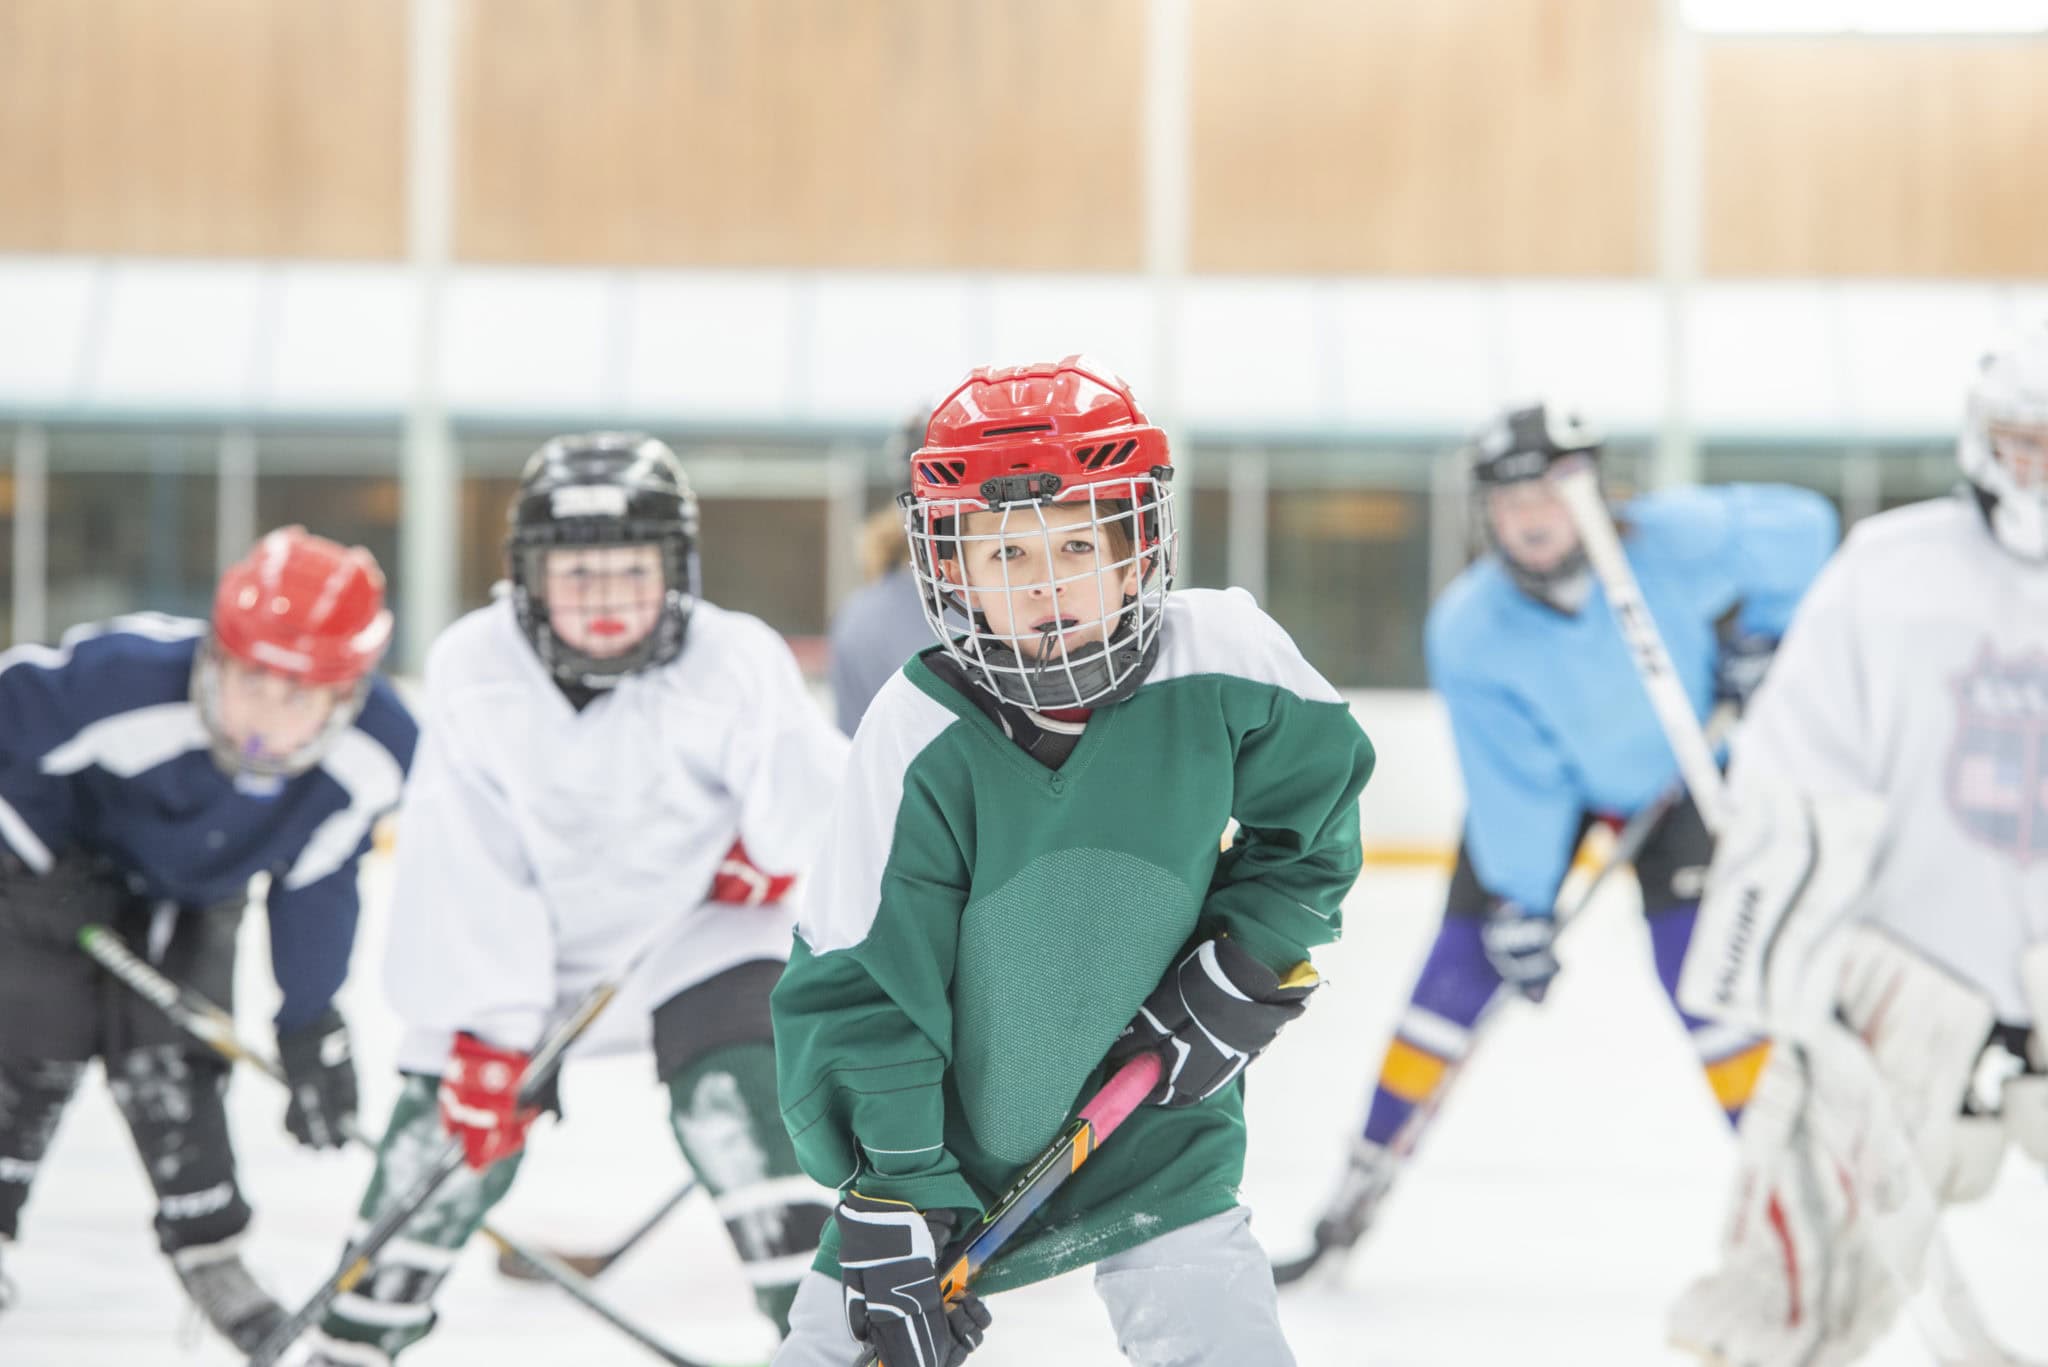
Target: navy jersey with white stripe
[{"x": 102, "y": 752}]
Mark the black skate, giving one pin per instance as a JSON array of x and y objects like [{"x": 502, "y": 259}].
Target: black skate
[
  {"x": 223, "y": 1291},
  {"x": 1350, "y": 1212}
]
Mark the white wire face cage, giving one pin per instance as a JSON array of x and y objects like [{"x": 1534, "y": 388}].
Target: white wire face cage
[
  {"x": 1075, "y": 637},
  {"x": 2005, "y": 430}
]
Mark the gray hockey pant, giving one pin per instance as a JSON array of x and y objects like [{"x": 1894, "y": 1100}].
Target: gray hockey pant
[{"x": 1201, "y": 1296}]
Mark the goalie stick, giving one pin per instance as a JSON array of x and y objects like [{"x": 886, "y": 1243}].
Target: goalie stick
[
  {"x": 1963, "y": 1339},
  {"x": 212, "y": 1026}
]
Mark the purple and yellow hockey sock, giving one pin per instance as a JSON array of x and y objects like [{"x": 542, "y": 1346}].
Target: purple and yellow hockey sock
[
  {"x": 1435, "y": 1031},
  {"x": 1732, "y": 1058}
]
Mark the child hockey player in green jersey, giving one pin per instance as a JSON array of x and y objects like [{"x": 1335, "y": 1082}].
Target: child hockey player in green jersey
[{"x": 1023, "y": 888}]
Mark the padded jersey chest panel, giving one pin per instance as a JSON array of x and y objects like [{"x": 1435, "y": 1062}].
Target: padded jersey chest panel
[{"x": 1050, "y": 965}]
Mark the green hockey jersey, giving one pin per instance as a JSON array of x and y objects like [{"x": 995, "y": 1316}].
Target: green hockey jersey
[{"x": 980, "y": 928}]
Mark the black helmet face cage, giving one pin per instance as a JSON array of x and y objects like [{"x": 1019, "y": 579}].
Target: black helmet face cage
[
  {"x": 1070, "y": 633},
  {"x": 662, "y": 642}
]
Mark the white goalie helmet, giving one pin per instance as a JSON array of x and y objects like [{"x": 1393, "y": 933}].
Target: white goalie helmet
[{"x": 2004, "y": 446}]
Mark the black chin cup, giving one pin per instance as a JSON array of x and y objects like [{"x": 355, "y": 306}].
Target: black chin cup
[{"x": 1094, "y": 675}]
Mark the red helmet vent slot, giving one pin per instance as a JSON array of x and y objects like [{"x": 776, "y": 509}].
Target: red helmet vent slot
[
  {"x": 942, "y": 471},
  {"x": 1106, "y": 456},
  {"x": 988, "y": 432}
]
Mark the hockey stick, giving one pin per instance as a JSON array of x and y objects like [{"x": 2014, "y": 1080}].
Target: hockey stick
[
  {"x": 1044, "y": 1175},
  {"x": 1580, "y": 489},
  {"x": 1335, "y": 1228},
  {"x": 515, "y": 1264},
  {"x": 540, "y": 1070},
  {"x": 214, "y": 1027}
]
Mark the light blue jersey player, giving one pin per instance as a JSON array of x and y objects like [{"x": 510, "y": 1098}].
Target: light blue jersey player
[{"x": 1554, "y": 731}]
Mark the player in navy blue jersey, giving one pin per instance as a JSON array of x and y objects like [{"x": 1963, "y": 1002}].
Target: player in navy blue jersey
[
  {"x": 1554, "y": 731},
  {"x": 150, "y": 768}
]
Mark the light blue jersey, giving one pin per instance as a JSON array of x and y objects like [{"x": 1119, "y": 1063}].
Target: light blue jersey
[{"x": 1549, "y": 716}]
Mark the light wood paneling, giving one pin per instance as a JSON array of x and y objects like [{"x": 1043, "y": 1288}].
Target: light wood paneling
[
  {"x": 205, "y": 127},
  {"x": 932, "y": 133},
  {"x": 1859, "y": 157},
  {"x": 1425, "y": 136}
]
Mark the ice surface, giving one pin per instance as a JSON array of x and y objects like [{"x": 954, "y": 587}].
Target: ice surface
[{"x": 1570, "y": 1188}]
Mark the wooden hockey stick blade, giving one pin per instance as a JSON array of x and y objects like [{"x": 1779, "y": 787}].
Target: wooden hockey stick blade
[
  {"x": 520, "y": 1268},
  {"x": 591, "y": 1265}
]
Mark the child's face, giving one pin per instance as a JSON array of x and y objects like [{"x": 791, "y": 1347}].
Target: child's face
[
  {"x": 1048, "y": 578},
  {"x": 267, "y": 717},
  {"x": 603, "y": 600},
  {"x": 2023, "y": 451},
  {"x": 1532, "y": 524}
]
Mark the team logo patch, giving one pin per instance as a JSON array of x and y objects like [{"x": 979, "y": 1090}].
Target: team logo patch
[{"x": 1998, "y": 764}]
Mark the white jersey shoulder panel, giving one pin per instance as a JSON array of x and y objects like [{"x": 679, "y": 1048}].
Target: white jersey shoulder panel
[
  {"x": 1224, "y": 631},
  {"x": 372, "y": 778},
  {"x": 900, "y": 724}
]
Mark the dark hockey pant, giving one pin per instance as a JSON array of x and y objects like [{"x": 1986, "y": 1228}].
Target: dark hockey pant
[
  {"x": 59, "y": 1010},
  {"x": 713, "y": 1050}
]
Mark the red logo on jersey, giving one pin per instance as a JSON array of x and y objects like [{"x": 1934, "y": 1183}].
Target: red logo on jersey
[{"x": 1998, "y": 765}]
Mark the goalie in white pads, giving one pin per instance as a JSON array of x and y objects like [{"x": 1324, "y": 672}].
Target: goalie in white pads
[
  {"x": 600, "y": 747},
  {"x": 1886, "y": 867}
]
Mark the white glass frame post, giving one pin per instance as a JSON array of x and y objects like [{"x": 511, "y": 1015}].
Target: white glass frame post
[
  {"x": 31, "y": 565},
  {"x": 1169, "y": 132},
  {"x": 1680, "y": 182},
  {"x": 234, "y": 502},
  {"x": 430, "y": 525}
]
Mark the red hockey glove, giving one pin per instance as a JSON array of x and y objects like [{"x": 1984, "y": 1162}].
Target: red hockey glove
[
  {"x": 479, "y": 1101},
  {"x": 742, "y": 882}
]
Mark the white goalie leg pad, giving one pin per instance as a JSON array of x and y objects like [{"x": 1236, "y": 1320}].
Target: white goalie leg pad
[
  {"x": 1798, "y": 1285},
  {"x": 1976, "y": 1150},
  {"x": 2026, "y": 1114},
  {"x": 1924, "y": 1026},
  {"x": 1785, "y": 874}
]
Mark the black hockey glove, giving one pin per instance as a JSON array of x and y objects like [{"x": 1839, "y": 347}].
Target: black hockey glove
[
  {"x": 322, "y": 1075},
  {"x": 1522, "y": 947},
  {"x": 1740, "y": 664},
  {"x": 52, "y": 908},
  {"x": 1215, "y": 1011},
  {"x": 888, "y": 1259}
]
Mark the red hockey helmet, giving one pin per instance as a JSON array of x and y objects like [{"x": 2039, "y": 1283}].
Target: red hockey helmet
[
  {"x": 1019, "y": 440},
  {"x": 1052, "y": 433},
  {"x": 305, "y": 607}
]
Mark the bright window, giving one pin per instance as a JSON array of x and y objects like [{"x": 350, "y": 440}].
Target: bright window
[{"x": 1868, "y": 16}]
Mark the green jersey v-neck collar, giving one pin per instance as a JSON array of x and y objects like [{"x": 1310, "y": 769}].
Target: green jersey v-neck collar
[{"x": 1054, "y": 780}]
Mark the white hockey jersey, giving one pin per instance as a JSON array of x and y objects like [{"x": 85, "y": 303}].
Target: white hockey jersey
[
  {"x": 539, "y": 845},
  {"x": 1916, "y": 670}
]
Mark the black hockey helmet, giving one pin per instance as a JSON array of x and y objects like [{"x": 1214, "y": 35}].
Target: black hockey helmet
[
  {"x": 1524, "y": 442},
  {"x": 603, "y": 489}
]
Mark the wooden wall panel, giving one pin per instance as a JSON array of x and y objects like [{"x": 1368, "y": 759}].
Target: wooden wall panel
[
  {"x": 1425, "y": 137},
  {"x": 1859, "y": 157},
  {"x": 930, "y": 133},
  {"x": 205, "y": 127}
]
